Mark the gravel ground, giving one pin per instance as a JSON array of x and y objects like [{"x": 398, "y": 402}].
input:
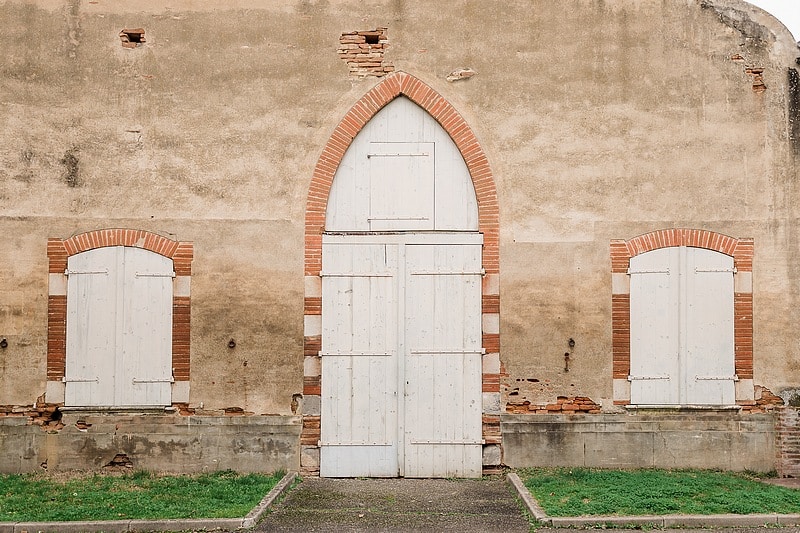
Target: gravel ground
[{"x": 347, "y": 505}]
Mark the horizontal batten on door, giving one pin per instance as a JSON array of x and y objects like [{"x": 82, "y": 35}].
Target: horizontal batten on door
[
  {"x": 449, "y": 442},
  {"x": 155, "y": 274},
  {"x": 453, "y": 352},
  {"x": 355, "y": 354},
  {"x": 355, "y": 443},
  {"x": 482, "y": 272},
  {"x": 420, "y": 154},
  {"x": 356, "y": 275}
]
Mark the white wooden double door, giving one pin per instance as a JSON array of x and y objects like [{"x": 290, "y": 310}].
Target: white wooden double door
[{"x": 401, "y": 356}]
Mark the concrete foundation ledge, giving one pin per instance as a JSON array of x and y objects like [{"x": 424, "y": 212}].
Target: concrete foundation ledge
[
  {"x": 714, "y": 440},
  {"x": 675, "y": 521},
  {"x": 125, "y": 526},
  {"x": 155, "y": 442}
]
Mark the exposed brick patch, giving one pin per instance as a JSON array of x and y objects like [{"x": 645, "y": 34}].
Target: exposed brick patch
[
  {"x": 764, "y": 401},
  {"x": 312, "y": 345},
  {"x": 312, "y": 385},
  {"x": 181, "y": 337},
  {"x": 312, "y": 305},
  {"x": 56, "y": 337},
  {"x": 622, "y": 251},
  {"x": 491, "y": 429},
  {"x": 310, "y": 434},
  {"x": 184, "y": 409},
  {"x": 563, "y": 404},
  {"x": 45, "y": 415},
  {"x": 490, "y": 303},
  {"x": 363, "y": 52},
  {"x": 621, "y": 335},
  {"x": 131, "y": 38},
  {"x": 758, "y": 79},
  {"x": 787, "y": 437}
]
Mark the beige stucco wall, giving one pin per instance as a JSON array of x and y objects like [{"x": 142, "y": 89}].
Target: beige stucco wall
[{"x": 601, "y": 120}]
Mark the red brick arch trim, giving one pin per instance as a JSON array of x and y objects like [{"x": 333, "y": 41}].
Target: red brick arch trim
[
  {"x": 59, "y": 251},
  {"x": 742, "y": 252},
  {"x": 356, "y": 118}
]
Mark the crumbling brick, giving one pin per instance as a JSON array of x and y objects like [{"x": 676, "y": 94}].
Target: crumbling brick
[
  {"x": 363, "y": 52},
  {"x": 563, "y": 404}
]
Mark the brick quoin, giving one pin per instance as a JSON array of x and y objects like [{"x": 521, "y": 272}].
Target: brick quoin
[
  {"x": 390, "y": 87},
  {"x": 59, "y": 251},
  {"x": 742, "y": 252}
]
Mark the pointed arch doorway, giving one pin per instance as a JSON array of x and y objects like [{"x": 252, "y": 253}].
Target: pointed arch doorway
[{"x": 401, "y": 356}]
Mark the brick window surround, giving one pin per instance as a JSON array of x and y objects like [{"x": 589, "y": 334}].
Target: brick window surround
[
  {"x": 59, "y": 251},
  {"x": 389, "y": 88},
  {"x": 742, "y": 252}
]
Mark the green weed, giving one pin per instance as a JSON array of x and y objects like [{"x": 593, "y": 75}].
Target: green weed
[
  {"x": 138, "y": 495},
  {"x": 593, "y": 492}
]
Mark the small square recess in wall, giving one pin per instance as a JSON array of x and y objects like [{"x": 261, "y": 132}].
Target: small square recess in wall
[{"x": 131, "y": 38}]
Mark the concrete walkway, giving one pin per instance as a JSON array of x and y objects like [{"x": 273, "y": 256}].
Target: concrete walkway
[{"x": 347, "y": 505}]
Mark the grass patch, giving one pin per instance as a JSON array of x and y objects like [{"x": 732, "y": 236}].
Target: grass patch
[
  {"x": 138, "y": 495},
  {"x": 594, "y": 492}
]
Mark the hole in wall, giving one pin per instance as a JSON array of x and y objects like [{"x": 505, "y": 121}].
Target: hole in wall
[
  {"x": 363, "y": 52},
  {"x": 131, "y": 38},
  {"x": 120, "y": 460}
]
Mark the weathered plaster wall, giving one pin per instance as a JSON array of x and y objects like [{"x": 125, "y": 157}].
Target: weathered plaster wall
[{"x": 601, "y": 120}]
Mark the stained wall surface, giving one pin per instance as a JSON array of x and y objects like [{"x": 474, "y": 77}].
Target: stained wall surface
[{"x": 601, "y": 120}]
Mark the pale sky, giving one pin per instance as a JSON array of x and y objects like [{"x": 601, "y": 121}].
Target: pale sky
[{"x": 787, "y": 11}]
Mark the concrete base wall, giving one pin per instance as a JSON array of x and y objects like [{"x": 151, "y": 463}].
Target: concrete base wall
[
  {"x": 664, "y": 439},
  {"x": 155, "y": 442}
]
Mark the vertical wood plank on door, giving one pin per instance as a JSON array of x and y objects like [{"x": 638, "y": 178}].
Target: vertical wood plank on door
[
  {"x": 92, "y": 289},
  {"x": 443, "y": 366},
  {"x": 709, "y": 336},
  {"x": 359, "y": 416},
  {"x": 145, "y": 372},
  {"x": 654, "y": 316}
]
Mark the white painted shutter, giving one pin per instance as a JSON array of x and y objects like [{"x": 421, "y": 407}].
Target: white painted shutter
[
  {"x": 655, "y": 312},
  {"x": 119, "y": 328},
  {"x": 401, "y": 185},
  {"x": 682, "y": 346},
  {"x": 443, "y": 361},
  {"x": 144, "y": 373},
  {"x": 359, "y": 361},
  {"x": 710, "y": 370},
  {"x": 92, "y": 285}
]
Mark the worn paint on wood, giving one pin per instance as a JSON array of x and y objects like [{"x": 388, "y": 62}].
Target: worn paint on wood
[
  {"x": 401, "y": 356},
  {"x": 682, "y": 349},
  {"x": 119, "y": 328}
]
